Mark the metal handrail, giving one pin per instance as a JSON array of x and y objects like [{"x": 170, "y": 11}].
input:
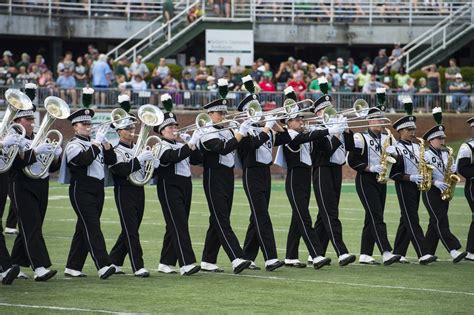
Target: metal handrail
[
  {"x": 133, "y": 50},
  {"x": 138, "y": 33}
]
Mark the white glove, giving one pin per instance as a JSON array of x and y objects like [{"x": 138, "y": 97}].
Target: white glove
[
  {"x": 10, "y": 140},
  {"x": 101, "y": 133},
  {"x": 22, "y": 144},
  {"x": 195, "y": 138},
  {"x": 58, "y": 151},
  {"x": 44, "y": 148},
  {"x": 417, "y": 179},
  {"x": 336, "y": 129},
  {"x": 145, "y": 156},
  {"x": 454, "y": 168},
  {"x": 244, "y": 128},
  {"x": 270, "y": 122},
  {"x": 392, "y": 151},
  {"x": 441, "y": 185},
  {"x": 156, "y": 163},
  {"x": 185, "y": 137},
  {"x": 376, "y": 168},
  {"x": 343, "y": 121}
]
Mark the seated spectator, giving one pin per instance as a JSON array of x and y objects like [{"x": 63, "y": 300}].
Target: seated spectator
[
  {"x": 137, "y": 84},
  {"x": 162, "y": 70},
  {"x": 386, "y": 77},
  {"x": 46, "y": 79},
  {"x": 121, "y": 84},
  {"x": 460, "y": 90},
  {"x": 237, "y": 70},
  {"x": 433, "y": 77},
  {"x": 201, "y": 76},
  {"x": 80, "y": 73},
  {"x": 170, "y": 83},
  {"x": 409, "y": 86},
  {"x": 22, "y": 77},
  {"x": 283, "y": 75},
  {"x": 340, "y": 65},
  {"x": 68, "y": 62},
  {"x": 39, "y": 62},
  {"x": 60, "y": 66},
  {"x": 34, "y": 73},
  {"x": 7, "y": 69},
  {"x": 380, "y": 61},
  {"x": 194, "y": 13},
  {"x": 451, "y": 71},
  {"x": 192, "y": 68},
  {"x": 314, "y": 85},
  {"x": 420, "y": 99},
  {"x": 266, "y": 84},
  {"x": 348, "y": 79},
  {"x": 24, "y": 62},
  {"x": 257, "y": 72},
  {"x": 219, "y": 70},
  {"x": 138, "y": 67},
  {"x": 334, "y": 78},
  {"x": 187, "y": 82},
  {"x": 401, "y": 78},
  {"x": 67, "y": 86},
  {"x": 298, "y": 84},
  {"x": 366, "y": 64},
  {"x": 351, "y": 64},
  {"x": 362, "y": 78},
  {"x": 211, "y": 84},
  {"x": 372, "y": 85}
]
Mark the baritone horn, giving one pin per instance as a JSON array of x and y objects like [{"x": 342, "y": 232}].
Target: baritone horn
[
  {"x": 56, "y": 108},
  {"x": 17, "y": 101},
  {"x": 150, "y": 116}
]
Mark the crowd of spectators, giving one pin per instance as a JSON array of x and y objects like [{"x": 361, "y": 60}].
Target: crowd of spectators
[{"x": 136, "y": 78}]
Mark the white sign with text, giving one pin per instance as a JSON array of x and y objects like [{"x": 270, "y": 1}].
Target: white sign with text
[{"x": 229, "y": 44}]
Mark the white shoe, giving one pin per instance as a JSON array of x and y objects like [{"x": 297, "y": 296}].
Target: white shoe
[
  {"x": 118, "y": 270},
  {"x": 403, "y": 260},
  {"x": 106, "y": 272},
  {"x": 470, "y": 256},
  {"x": 310, "y": 259},
  {"x": 457, "y": 255},
  {"x": 73, "y": 273},
  {"x": 166, "y": 269},
  {"x": 189, "y": 269},
  {"x": 43, "y": 274},
  {"x": 10, "y": 231},
  {"x": 205, "y": 266},
  {"x": 143, "y": 273},
  {"x": 426, "y": 259},
  {"x": 389, "y": 258},
  {"x": 22, "y": 275},
  {"x": 367, "y": 260}
]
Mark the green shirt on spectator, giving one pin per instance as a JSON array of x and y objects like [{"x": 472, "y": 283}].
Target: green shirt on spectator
[{"x": 314, "y": 86}]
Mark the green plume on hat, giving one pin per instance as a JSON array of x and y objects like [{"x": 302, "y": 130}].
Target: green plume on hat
[
  {"x": 323, "y": 85},
  {"x": 124, "y": 102},
  {"x": 223, "y": 87},
  {"x": 167, "y": 102},
  {"x": 408, "y": 105},
  {"x": 87, "y": 96},
  {"x": 30, "y": 90},
  {"x": 290, "y": 93},
  {"x": 380, "y": 92},
  {"x": 248, "y": 83},
  {"x": 438, "y": 115}
]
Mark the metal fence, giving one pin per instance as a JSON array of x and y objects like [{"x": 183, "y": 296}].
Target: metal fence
[{"x": 194, "y": 100}]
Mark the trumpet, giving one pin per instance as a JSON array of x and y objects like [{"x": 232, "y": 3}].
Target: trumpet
[
  {"x": 16, "y": 101},
  {"x": 56, "y": 108},
  {"x": 332, "y": 117},
  {"x": 150, "y": 116}
]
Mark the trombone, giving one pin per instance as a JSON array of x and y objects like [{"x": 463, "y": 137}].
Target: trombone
[
  {"x": 116, "y": 116},
  {"x": 203, "y": 122}
]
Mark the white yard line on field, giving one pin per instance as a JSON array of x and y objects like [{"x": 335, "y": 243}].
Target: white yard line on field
[
  {"x": 60, "y": 308},
  {"x": 352, "y": 284}
]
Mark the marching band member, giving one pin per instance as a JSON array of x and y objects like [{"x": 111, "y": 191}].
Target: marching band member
[
  {"x": 255, "y": 152},
  {"x": 405, "y": 172},
  {"x": 296, "y": 157},
  {"x": 465, "y": 167},
  {"x": 438, "y": 157},
  {"x": 129, "y": 198},
  {"x": 8, "y": 271},
  {"x": 174, "y": 188},
  {"x": 218, "y": 147},
  {"x": 30, "y": 198},
  {"x": 365, "y": 159},
  {"x": 328, "y": 155},
  {"x": 85, "y": 160}
]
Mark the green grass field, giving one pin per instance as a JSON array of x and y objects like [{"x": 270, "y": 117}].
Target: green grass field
[{"x": 438, "y": 288}]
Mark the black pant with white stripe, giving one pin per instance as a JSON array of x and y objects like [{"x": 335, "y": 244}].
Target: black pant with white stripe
[
  {"x": 257, "y": 186},
  {"x": 219, "y": 189},
  {"x": 5, "y": 259},
  {"x": 438, "y": 227},
  {"x": 372, "y": 195},
  {"x": 327, "y": 181},
  {"x": 175, "y": 195},
  {"x": 87, "y": 199},
  {"x": 469, "y": 193},
  {"x": 31, "y": 201},
  {"x": 298, "y": 190},
  {"x": 4, "y": 191},
  {"x": 130, "y": 201},
  {"x": 409, "y": 228}
]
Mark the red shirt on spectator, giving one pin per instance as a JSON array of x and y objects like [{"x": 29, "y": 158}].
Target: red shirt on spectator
[
  {"x": 298, "y": 86},
  {"x": 267, "y": 86}
]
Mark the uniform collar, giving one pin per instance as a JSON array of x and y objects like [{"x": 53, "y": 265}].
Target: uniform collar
[
  {"x": 126, "y": 145},
  {"x": 169, "y": 140},
  {"x": 405, "y": 141},
  {"x": 84, "y": 138},
  {"x": 374, "y": 135}
]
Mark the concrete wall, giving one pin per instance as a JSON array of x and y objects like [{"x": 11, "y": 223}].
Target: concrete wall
[{"x": 456, "y": 129}]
